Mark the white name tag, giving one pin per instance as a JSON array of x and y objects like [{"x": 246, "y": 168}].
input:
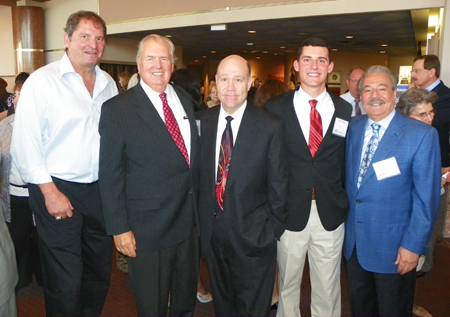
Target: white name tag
[
  {"x": 340, "y": 127},
  {"x": 386, "y": 168}
]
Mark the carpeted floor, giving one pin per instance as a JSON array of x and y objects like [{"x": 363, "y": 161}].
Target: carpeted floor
[{"x": 432, "y": 292}]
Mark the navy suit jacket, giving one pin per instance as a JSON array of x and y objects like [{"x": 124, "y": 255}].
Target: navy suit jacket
[
  {"x": 325, "y": 172},
  {"x": 257, "y": 185},
  {"x": 145, "y": 183},
  {"x": 398, "y": 211},
  {"x": 442, "y": 120}
]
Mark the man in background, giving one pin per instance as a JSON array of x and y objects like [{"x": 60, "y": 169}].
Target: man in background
[
  {"x": 352, "y": 96},
  {"x": 149, "y": 181},
  {"x": 56, "y": 146}
]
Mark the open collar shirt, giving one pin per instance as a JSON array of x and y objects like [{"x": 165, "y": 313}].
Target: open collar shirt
[{"x": 56, "y": 124}]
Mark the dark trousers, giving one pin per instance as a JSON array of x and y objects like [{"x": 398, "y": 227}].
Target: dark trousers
[
  {"x": 374, "y": 294},
  {"x": 75, "y": 252},
  {"x": 155, "y": 275},
  {"x": 240, "y": 288},
  {"x": 25, "y": 239}
]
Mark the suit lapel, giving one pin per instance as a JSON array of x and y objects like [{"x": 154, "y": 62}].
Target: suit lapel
[
  {"x": 356, "y": 148},
  {"x": 244, "y": 143},
  {"x": 292, "y": 123},
  {"x": 209, "y": 136}
]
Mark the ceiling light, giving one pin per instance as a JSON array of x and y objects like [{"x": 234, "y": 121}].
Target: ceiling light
[
  {"x": 334, "y": 49},
  {"x": 168, "y": 35},
  {"x": 257, "y": 57},
  {"x": 203, "y": 56},
  {"x": 265, "y": 52},
  {"x": 213, "y": 52},
  {"x": 218, "y": 27},
  {"x": 196, "y": 60},
  {"x": 349, "y": 37},
  {"x": 249, "y": 43},
  {"x": 382, "y": 52},
  {"x": 252, "y": 32},
  {"x": 384, "y": 45},
  {"x": 282, "y": 46}
]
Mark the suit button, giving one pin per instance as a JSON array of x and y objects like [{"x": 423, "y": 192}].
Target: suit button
[{"x": 358, "y": 202}]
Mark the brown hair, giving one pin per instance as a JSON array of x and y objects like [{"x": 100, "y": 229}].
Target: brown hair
[{"x": 269, "y": 89}]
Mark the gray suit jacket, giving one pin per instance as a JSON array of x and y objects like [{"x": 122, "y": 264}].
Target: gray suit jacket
[
  {"x": 145, "y": 183},
  {"x": 8, "y": 267}
]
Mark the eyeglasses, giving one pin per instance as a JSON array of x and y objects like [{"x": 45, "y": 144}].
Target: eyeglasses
[
  {"x": 417, "y": 71},
  {"x": 424, "y": 115}
]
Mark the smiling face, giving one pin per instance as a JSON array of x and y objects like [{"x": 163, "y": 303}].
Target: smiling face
[
  {"x": 155, "y": 64},
  {"x": 233, "y": 82},
  {"x": 377, "y": 96},
  {"x": 86, "y": 45},
  {"x": 313, "y": 67}
]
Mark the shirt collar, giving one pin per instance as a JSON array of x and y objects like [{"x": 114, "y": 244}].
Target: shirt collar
[
  {"x": 237, "y": 116},
  {"x": 66, "y": 67},
  {"x": 384, "y": 123},
  {"x": 304, "y": 96},
  {"x": 433, "y": 85}
]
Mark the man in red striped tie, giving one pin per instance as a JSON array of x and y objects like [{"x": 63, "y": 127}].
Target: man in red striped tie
[
  {"x": 316, "y": 122},
  {"x": 148, "y": 181}
]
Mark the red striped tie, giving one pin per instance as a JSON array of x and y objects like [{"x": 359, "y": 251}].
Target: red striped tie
[
  {"x": 173, "y": 128},
  {"x": 315, "y": 130}
]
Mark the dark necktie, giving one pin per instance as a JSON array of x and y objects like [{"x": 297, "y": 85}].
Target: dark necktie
[
  {"x": 226, "y": 146},
  {"x": 172, "y": 127},
  {"x": 369, "y": 152},
  {"x": 315, "y": 130},
  {"x": 357, "y": 108}
]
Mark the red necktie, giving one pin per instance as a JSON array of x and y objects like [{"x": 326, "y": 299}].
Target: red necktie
[
  {"x": 315, "y": 130},
  {"x": 173, "y": 128},
  {"x": 226, "y": 145}
]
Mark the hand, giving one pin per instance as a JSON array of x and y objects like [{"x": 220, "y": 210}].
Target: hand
[
  {"x": 58, "y": 205},
  {"x": 126, "y": 243},
  {"x": 445, "y": 171},
  {"x": 406, "y": 261}
]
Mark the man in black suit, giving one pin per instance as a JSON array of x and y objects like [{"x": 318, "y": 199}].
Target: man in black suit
[
  {"x": 242, "y": 199},
  {"x": 425, "y": 74},
  {"x": 316, "y": 125},
  {"x": 148, "y": 182}
]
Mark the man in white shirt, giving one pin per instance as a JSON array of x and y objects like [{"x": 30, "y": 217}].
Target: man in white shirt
[
  {"x": 56, "y": 146},
  {"x": 352, "y": 96}
]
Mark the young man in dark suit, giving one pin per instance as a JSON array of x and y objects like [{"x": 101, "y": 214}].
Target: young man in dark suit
[
  {"x": 316, "y": 126},
  {"x": 243, "y": 192},
  {"x": 149, "y": 180}
]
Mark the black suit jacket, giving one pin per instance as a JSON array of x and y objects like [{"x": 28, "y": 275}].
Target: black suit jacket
[
  {"x": 325, "y": 172},
  {"x": 256, "y": 190},
  {"x": 442, "y": 120},
  {"x": 145, "y": 183}
]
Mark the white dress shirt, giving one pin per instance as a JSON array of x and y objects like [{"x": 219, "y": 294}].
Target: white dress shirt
[
  {"x": 222, "y": 123},
  {"x": 351, "y": 100},
  {"x": 56, "y": 124},
  {"x": 325, "y": 107},
  {"x": 177, "y": 108}
]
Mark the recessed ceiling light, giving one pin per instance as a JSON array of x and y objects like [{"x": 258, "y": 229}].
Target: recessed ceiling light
[
  {"x": 203, "y": 56},
  {"x": 384, "y": 45},
  {"x": 282, "y": 46},
  {"x": 196, "y": 60},
  {"x": 257, "y": 57},
  {"x": 168, "y": 35},
  {"x": 265, "y": 52},
  {"x": 334, "y": 49},
  {"x": 349, "y": 37},
  {"x": 252, "y": 32},
  {"x": 382, "y": 52},
  {"x": 249, "y": 44},
  {"x": 213, "y": 52}
]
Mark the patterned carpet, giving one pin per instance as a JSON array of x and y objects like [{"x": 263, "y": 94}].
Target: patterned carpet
[{"x": 432, "y": 292}]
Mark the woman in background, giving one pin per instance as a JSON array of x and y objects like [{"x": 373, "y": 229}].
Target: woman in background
[
  {"x": 124, "y": 78},
  {"x": 213, "y": 97}
]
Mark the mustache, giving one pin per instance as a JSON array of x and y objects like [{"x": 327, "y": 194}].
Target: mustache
[{"x": 375, "y": 100}]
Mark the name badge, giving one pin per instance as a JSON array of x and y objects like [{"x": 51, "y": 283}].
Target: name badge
[
  {"x": 340, "y": 127},
  {"x": 197, "y": 122},
  {"x": 386, "y": 168}
]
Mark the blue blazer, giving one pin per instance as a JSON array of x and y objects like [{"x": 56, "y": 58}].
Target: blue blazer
[{"x": 399, "y": 211}]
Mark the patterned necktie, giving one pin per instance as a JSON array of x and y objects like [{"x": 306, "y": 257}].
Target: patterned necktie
[
  {"x": 315, "y": 130},
  {"x": 357, "y": 108},
  {"x": 369, "y": 152},
  {"x": 226, "y": 146},
  {"x": 173, "y": 128}
]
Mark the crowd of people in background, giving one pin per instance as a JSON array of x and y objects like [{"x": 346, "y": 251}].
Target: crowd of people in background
[{"x": 251, "y": 179}]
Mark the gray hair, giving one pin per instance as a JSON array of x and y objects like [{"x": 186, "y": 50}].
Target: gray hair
[
  {"x": 156, "y": 38},
  {"x": 414, "y": 97},
  {"x": 378, "y": 69}
]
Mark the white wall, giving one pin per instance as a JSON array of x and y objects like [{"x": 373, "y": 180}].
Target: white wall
[{"x": 7, "y": 60}]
